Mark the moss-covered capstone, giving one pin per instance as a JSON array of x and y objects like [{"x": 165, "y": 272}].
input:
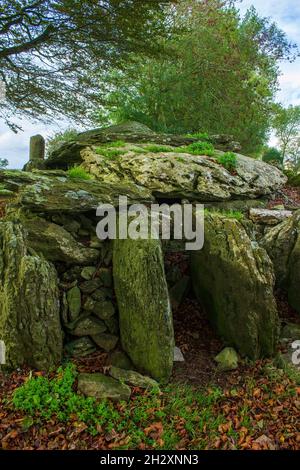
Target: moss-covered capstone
[
  {"x": 234, "y": 279},
  {"x": 145, "y": 316},
  {"x": 29, "y": 303}
]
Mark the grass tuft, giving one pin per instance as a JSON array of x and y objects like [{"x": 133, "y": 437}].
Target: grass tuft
[{"x": 77, "y": 172}]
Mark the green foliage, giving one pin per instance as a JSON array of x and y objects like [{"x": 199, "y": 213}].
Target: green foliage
[
  {"x": 45, "y": 397},
  {"x": 272, "y": 154},
  {"x": 200, "y": 148},
  {"x": 59, "y": 138},
  {"x": 117, "y": 143},
  {"x": 202, "y": 136},
  {"x": 228, "y": 160},
  {"x": 55, "y": 396},
  {"x": 161, "y": 420},
  {"x": 110, "y": 154},
  {"x": 230, "y": 214},
  {"x": 50, "y": 51},
  {"x": 3, "y": 163},
  {"x": 293, "y": 178},
  {"x": 220, "y": 76},
  {"x": 77, "y": 172},
  {"x": 159, "y": 148},
  {"x": 286, "y": 123}
]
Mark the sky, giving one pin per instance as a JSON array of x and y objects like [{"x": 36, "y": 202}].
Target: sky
[{"x": 286, "y": 13}]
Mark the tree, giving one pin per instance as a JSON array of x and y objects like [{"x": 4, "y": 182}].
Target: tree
[
  {"x": 272, "y": 154},
  {"x": 220, "y": 76},
  {"x": 287, "y": 127},
  {"x": 51, "y": 50},
  {"x": 3, "y": 163}
]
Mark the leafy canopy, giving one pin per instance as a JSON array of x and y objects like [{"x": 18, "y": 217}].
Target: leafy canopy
[
  {"x": 287, "y": 127},
  {"x": 51, "y": 51},
  {"x": 220, "y": 76}
]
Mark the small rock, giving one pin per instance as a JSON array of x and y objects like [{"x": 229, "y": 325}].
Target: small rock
[
  {"x": 88, "y": 287},
  {"x": 265, "y": 442},
  {"x": 121, "y": 360},
  {"x": 89, "y": 304},
  {"x": 68, "y": 224},
  {"x": 74, "y": 302},
  {"x": 102, "y": 294},
  {"x": 89, "y": 326},
  {"x": 88, "y": 272},
  {"x": 103, "y": 310},
  {"x": 178, "y": 356},
  {"x": 133, "y": 378},
  {"x": 269, "y": 216},
  {"x": 72, "y": 274},
  {"x": 113, "y": 325},
  {"x": 80, "y": 347},
  {"x": 227, "y": 359},
  {"x": 105, "y": 341},
  {"x": 95, "y": 242},
  {"x": 106, "y": 277},
  {"x": 102, "y": 387}
]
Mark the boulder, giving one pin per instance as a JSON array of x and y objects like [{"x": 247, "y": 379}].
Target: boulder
[
  {"x": 283, "y": 245},
  {"x": 234, "y": 279},
  {"x": 80, "y": 347},
  {"x": 74, "y": 302},
  {"x": 29, "y": 303},
  {"x": 88, "y": 287},
  {"x": 69, "y": 153},
  {"x": 88, "y": 272},
  {"x": 55, "y": 243},
  {"x": 133, "y": 378},
  {"x": 103, "y": 309},
  {"x": 101, "y": 387},
  {"x": 227, "y": 359},
  {"x": 174, "y": 175},
  {"x": 145, "y": 317},
  {"x": 169, "y": 174},
  {"x": 105, "y": 341},
  {"x": 269, "y": 217},
  {"x": 87, "y": 326},
  {"x": 121, "y": 360},
  {"x": 44, "y": 191}
]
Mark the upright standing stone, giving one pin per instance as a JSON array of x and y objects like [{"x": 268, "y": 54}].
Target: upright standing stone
[
  {"x": 37, "y": 148},
  {"x": 29, "y": 303},
  {"x": 36, "y": 153},
  {"x": 146, "y": 326},
  {"x": 234, "y": 279}
]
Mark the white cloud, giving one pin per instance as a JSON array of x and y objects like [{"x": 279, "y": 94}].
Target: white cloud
[{"x": 15, "y": 147}]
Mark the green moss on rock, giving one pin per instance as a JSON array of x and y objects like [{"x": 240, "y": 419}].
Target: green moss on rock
[
  {"x": 29, "y": 303},
  {"x": 234, "y": 279},
  {"x": 145, "y": 316}
]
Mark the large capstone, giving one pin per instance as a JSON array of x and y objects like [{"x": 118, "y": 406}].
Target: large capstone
[
  {"x": 29, "y": 303},
  {"x": 234, "y": 279},
  {"x": 145, "y": 316}
]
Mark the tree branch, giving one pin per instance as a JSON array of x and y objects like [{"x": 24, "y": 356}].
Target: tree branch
[{"x": 27, "y": 46}]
